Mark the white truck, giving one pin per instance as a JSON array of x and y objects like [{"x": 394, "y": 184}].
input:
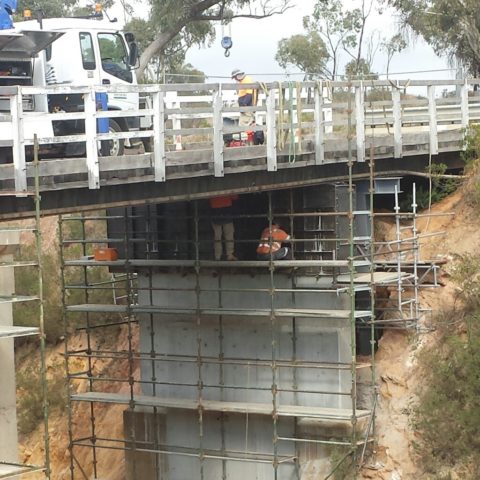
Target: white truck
[{"x": 72, "y": 52}]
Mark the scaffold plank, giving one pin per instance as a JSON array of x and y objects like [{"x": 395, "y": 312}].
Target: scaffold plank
[
  {"x": 12, "y": 332},
  {"x": 258, "y": 312},
  {"x": 17, "y": 298},
  {"x": 216, "y": 264},
  {"x": 12, "y": 470},
  {"x": 378, "y": 277},
  {"x": 25, "y": 263},
  {"x": 325, "y": 413}
]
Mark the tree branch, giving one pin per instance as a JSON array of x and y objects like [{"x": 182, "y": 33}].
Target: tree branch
[
  {"x": 246, "y": 15},
  {"x": 196, "y": 14}
]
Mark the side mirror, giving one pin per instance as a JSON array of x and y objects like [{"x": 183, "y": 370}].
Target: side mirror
[
  {"x": 133, "y": 54},
  {"x": 129, "y": 37}
]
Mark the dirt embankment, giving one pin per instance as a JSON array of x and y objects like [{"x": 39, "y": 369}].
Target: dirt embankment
[
  {"x": 457, "y": 225},
  {"x": 108, "y": 418}
]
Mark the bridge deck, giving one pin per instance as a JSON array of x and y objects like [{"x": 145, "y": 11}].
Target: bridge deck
[{"x": 313, "y": 127}]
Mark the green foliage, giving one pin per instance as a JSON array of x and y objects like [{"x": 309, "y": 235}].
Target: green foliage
[
  {"x": 338, "y": 28},
  {"x": 184, "y": 73},
  {"x": 30, "y": 395},
  {"x": 447, "y": 413},
  {"x": 450, "y": 27},
  {"x": 179, "y": 25},
  {"x": 359, "y": 69},
  {"x": 466, "y": 275},
  {"x": 306, "y": 52},
  {"x": 49, "y": 8},
  {"x": 331, "y": 31},
  {"x": 26, "y": 283},
  {"x": 341, "y": 463},
  {"x": 392, "y": 46},
  {"x": 58, "y": 8},
  {"x": 472, "y": 144},
  {"x": 441, "y": 187}
]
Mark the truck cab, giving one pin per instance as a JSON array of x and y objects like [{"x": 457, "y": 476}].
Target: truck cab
[
  {"x": 19, "y": 52},
  {"x": 88, "y": 52}
]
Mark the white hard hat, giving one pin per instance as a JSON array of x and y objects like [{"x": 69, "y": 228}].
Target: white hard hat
[{"x": 237, "y": 73}]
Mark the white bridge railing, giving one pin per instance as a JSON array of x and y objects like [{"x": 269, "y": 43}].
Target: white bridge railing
[{"x": 184, "y": 127}]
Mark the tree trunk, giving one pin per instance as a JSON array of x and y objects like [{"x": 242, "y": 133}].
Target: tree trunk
[{"x": 157, "y": 46}]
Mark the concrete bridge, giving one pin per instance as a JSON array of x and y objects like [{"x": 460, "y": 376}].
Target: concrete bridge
[{"x": 312, "y": 130}]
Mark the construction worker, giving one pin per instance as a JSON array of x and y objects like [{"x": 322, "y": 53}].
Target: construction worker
[
  {"x": 222, "y": 224},
  {"x": 246, "y": 96},
  {"x": 270, "y": 246}
]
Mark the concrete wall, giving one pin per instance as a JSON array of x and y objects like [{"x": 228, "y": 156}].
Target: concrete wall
[
  {"x": 8, "y": 412},
  {"x": 316, "y": 340}
]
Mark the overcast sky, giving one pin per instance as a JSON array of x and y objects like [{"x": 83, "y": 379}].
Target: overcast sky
[{"x": 255, "y": 44}]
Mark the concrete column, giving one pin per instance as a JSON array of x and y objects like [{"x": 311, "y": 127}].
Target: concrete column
[
  {"x": 8, "y": 413},
  {"x": 145, "y": 430}
]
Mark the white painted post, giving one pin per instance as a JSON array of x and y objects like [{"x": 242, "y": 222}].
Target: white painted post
[
  {"x": 177, "y": 125},
  {"x": 159, "y": 157},
  {"x": 360, "y": 123},
  {"x": 217, "y": 133},
  {"x": 319, "y": 125},
  {"x": 294, "y": 104},
  {"x": 397, "y": 124},
  {"x": 271, "y": 132},
  {"x": 464, "y": 100},
  {"x": 432, "y": 110},
  {"x": 18, "y": 147},
  {"x": 93, "y": 166}
]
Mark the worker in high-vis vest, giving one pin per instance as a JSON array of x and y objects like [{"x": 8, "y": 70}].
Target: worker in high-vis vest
[
  {"x": 247, "y": 97},
  {"x": 270, "y": 246},
  {"x": 223, "y": 227}
]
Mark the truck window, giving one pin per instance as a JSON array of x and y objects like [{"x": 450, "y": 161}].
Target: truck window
[
  {"x": 114, "y": 56},
  {"x": 88, "y": 55}
]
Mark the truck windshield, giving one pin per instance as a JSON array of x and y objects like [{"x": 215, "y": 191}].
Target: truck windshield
[{"x": 114, "y": 56}]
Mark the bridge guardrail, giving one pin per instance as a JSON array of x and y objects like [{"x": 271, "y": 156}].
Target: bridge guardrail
[{"x": 305, "y": 123}]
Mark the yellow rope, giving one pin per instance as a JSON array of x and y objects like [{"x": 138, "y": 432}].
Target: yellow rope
[{"x": 299, "y": 116}]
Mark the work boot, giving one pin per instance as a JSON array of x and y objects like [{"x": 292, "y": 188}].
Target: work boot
[{"x": 232, "y": 258}]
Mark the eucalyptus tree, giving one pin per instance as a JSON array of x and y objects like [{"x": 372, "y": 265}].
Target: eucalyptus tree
[
  {"x": 193, "y": 21},
  {"x": 341, "y": 32},
  {"x": 307, "y": 52},
  {"x": 451, "y": 27}
]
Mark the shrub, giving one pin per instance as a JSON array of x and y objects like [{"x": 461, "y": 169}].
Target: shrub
[
  {"x": 26, "y": 283},
  {"x": 466, "y": 275},
  {"x": 441, "y": 188},
  {"x": 472, "y": 144},
  {"x": 447, "y": 413},
  {"x": 30, "y": 394},
  {"x": 448, "y": 410},
  {"x": 341, "y": 463}
]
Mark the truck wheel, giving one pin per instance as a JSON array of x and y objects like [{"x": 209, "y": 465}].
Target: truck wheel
[{"x": 116, "y": 146}]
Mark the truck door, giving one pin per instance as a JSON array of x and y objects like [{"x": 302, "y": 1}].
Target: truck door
[{"x": 114, "y": 69}]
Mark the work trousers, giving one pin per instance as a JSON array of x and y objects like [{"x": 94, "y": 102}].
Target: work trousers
[
  {"x": 226, "y": 230},
  {"x": 246, "y": 118}
]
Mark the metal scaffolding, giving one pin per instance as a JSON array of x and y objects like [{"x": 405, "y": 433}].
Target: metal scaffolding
[
  {"x": 25, "y": 234},
  {"x": 312, "y": 403},
  {"x": 257, "y": 363}
]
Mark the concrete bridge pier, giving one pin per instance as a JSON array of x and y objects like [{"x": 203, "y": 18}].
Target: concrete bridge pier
[{"x": 9, "y": 242}]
